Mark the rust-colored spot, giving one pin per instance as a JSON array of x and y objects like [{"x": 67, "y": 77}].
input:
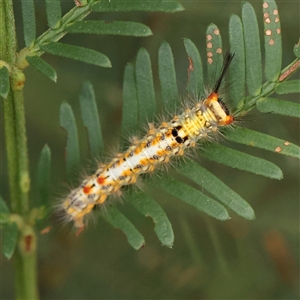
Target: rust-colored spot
[
  {"x": 278, "y": 30},
  {"x": 267, "y": 20},
  {"x": 190, "y": 68},
  {"x": 209, "y": 37},
  {"x": 78, "y": 3},
  {"x": 271, "y": 42},
  {"x": 291, "y": 70},
  {"x": 219, "y": 50},
  {"x": 191, "y": 64},
  {"x": 100, "y": 180},
  {"x": 28, "y": 242},
  {"x": 209, "y": 45},
  {"x": 268, "y": 32},
  {"x": 265, "y": 5},
  {"x": 209, "y": 54},
  {"x": 86, "y": 189},
  {"x": 278, "y": 149},
  {"x": 275, "y": 12},
  {"x": 216, "y": 31},
  {"x": 276, "y": 20},
  {"x": 266, "y": 15},
  {"x": 287, "y": 143},
  {"x": 210, "y": 61},
  {"x": 45, "y": 230}
]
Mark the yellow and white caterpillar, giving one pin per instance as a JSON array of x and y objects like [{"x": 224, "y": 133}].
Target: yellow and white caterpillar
[{"x": 157, "y": 147}]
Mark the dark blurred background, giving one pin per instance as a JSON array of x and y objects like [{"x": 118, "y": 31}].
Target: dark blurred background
[{"x": 236, "y": 259}]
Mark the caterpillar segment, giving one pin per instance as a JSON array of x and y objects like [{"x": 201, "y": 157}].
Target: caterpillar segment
[{"x": 159, "y": 145}]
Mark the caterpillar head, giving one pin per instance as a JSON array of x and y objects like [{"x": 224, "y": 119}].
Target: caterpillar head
[{"x": 219, "y": 109}]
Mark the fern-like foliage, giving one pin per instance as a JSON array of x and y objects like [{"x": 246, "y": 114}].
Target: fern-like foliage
[
  {"x": 12, "y": 78},
  {"x": 139, "y": 105},
  {"x": 72, "y": 22}
]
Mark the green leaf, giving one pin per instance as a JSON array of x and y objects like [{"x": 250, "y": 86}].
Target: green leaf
[
  {"x": 217, "y": 188},
  {"x": 119, "y": 221},
  {"x": 288, "y": 87},
  {"x": 242, "y": 161},
  {"x": 43, "y": 176},
  {"x": 167, "y": 77},
  {"x": 4, "y": 212},
  {"x": 237, "y": 69},
  {"x": 3, "y": 207},
  {"x": 281, "y": 107},
  {"x": 43, "y": 67},
  {"x": 10, "y": 239},
  {"x": 90, "y": 118},
  {"x": 53, "y": 10},
  {"x": 263, "y": 141},
  {"x": 213, "y": 53},
  {"x": 273, "y": 47},
  {"x": 130, "y": 102},
  {"x": 67, "y": 121},
  {"x": 297, "y": 49},
  {"x": 137, "y": 5},
  {"x": 28, "y": 21},
  {"x": 4, "y": 81},
  {"x": 191, "y": 196},
  {"x": 252, "y": 50},
  {"x": 78, "y": 53},
  {"x": 145, "y": 88},
  {"x": 148, "y": 207},
  {"x": 114, "y": 27},
  {"x": 195, "y": 84}
]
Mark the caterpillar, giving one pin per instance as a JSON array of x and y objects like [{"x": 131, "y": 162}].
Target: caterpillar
[{"x": 157, "y": 147}]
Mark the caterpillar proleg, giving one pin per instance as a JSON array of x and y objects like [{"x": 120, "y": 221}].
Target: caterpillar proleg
[{"x": 170, "y": 139}]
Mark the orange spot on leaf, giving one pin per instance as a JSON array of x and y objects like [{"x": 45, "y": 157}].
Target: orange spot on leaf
[{"x": 45, "y": 230}]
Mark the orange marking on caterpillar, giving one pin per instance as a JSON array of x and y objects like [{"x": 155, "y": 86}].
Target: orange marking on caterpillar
[
  {"x": 86, "y": 189},
  {"x": 156, "y": 140},
  {"x": 127, "y": 173},
  {"x": 144, "y": 162},
  {"x": 100, "y": 180},
  {"x": 138, "y": 150}
]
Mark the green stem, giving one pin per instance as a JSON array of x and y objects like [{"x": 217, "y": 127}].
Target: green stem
[
  {"x": 268, "y": 87},
  {"x": 8, "y": 110},
  {"x": 17, "y": 158},
  {"x": 54, "y": 35}
]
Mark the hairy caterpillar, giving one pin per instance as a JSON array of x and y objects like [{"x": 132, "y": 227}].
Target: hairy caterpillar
[{"x": 158, "y": 146}]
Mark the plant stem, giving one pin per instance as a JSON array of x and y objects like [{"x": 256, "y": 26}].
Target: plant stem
[
  {"x": 17, "y": 158},
  {"x": 268, "y": 88},
  {"x": 54, "y": 35}
]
